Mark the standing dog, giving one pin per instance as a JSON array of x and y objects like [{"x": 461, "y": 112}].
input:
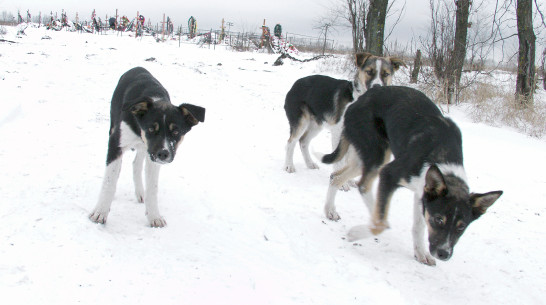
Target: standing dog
[
  {"x": 143, "y": 118},
  {"x": 428, "y": 159},
  {"x": 318, "y": 99}
]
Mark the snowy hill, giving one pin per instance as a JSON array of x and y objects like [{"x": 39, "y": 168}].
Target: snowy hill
[{"x": 240, "y": 229}]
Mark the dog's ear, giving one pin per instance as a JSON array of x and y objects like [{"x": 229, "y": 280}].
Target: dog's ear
[
  {"x": 481, "y": 202},
  {"x": 397, "y": 62},
  {"x": 435, "y": 184},
  {"x": 138, "y": 107},
  {"x": 361, "y": 58},
  {"x": 192, "y": 114}
]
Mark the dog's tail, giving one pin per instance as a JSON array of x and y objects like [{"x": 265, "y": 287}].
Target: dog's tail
[{"x": 337, "y": 154}]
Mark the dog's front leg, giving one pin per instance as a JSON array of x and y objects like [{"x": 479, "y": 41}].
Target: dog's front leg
[
  {"x": 420, "y": 251},
  {"x": 150, "y": 199},
  {"x": 137, "y": 174},
  {"x": 108, "y": 189}
]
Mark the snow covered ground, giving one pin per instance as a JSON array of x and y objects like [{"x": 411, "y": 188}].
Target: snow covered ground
[{"x": 240, "y": 229}]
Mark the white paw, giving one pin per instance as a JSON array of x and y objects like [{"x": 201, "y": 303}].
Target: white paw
[
  {"x": 359, "y": 232},
  {"x": 139, "y": 196},
  {"x": 378, "y": 226},
  {"x": 98, "y": 216},
  {"x": 158, "y": 222},
  {"x": 345, "y": 187},
  {"x": 332, "y": 214},
  {"x": 290, "y": 169},
  {"x": 312, "y": 165},
  {"x": 425, "y": 258}
]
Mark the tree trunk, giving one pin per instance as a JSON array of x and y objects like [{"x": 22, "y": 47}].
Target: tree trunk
[
  {"x": 526, "y": 56},
  {"x": 416, "y": 68},
  {"x": 544, "y": 69},
  {"x": 375, "y": 26},
  {"x": 455, "y": 66}
]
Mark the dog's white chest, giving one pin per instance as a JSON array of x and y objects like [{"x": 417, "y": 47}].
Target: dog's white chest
[{"x": 128, "y": 139}]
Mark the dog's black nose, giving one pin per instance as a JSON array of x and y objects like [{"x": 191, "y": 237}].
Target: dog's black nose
[
  {"x": 376, "y": 86},
  {"x": 163, "y": 154},
  {"x": 443, "y": 254}
]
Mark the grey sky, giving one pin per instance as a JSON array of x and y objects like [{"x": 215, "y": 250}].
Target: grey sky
[{"x": 296, "y": 16}]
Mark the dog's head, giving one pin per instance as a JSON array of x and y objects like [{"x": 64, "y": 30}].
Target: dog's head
[
  {"x": 164, "y": 125},
  {"x": 449, "y": 208},
  {"x": 376, "y": 71}
]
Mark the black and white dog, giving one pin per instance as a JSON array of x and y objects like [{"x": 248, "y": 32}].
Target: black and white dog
[
  {"x": 428, "y": 159},
  {"x": 143, "y": 118},
  {"x": 318, "y": 99}
]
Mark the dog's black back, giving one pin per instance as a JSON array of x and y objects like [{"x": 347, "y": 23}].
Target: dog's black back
[
  {"x": 400, "y": 118},
  {"x": 316, "y": 93}
]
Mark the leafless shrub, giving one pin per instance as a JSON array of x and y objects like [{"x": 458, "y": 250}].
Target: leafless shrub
[
  {"x": 337, "y": 65},
  {"x": 491, "y": 104}
]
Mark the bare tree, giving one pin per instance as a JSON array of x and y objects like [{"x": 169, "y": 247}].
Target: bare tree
[
  {"x": 324, "y": 24},
  {"x": 526, "y": 59},
  {"x": 355, "y": 14}
]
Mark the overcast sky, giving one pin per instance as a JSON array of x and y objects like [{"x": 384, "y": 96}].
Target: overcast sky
[{"x": 296, "y": 16}]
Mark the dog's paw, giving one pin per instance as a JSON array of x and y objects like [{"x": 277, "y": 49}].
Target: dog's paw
[
  {"x": 312, "y": 165},
  {"x": 377, "y": 227},
  {"x": 139, "y": 196},
  {"x": 98, "y": 217},
  {"x": 290, "y": 169},
  {"x": 345, "y": 187},
  {"x": 158, "y": 222},
  {"x": 425, "y": 258},
  {"x": 358, "y": 233},
  {"x": 332, "y": 214}
]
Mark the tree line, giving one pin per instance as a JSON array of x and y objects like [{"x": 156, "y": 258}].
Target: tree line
[{"x": 449, "y": 40}]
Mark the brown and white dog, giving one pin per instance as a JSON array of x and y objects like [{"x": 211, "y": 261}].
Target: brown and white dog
[{"x": 318, "y": 100}]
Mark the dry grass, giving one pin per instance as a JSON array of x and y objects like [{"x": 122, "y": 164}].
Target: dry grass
[{"x": 494, "y": 105}]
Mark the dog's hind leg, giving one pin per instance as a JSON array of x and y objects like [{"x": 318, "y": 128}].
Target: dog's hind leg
[
  {"x": 418, "y": 231},
  {"x": 108, "y": 189},
  {"x": 389, "y": 179},
  {"x": 313, "y": 130},
  {"x": 352, "y": 169},
  {"x": 336, "y": 132},
  {"x": 138, "y": 162},
  {"x": 366, "y": 182},
  {"x": 365, "y": 187},
  {"x": 296, "y": 132},
  {"x": 150, "y": 200}
]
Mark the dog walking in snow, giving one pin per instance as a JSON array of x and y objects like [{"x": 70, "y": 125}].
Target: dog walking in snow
[
  {"x": 143, "y": 118},
  {"x": 428, "y": 159},
  {"x": 318, "y": 99}
]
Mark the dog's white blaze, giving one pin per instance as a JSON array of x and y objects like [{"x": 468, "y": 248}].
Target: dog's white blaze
[
  {"x": 377, "y": 80},
  {"x": 128, "y": 139}
]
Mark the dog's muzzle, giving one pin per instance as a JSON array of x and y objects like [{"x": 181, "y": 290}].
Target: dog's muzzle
[
  {"x": 163, "y": 156},
  {"x": 441, "y": 253}
]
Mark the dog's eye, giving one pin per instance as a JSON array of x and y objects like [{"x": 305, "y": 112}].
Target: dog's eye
[
  {"x": 439, "y": 220},
  {"x": 151, "y": 129},
  {"x": 461, "y": 227},
  {"x": 370, "y": 72},
  {"x": 175, "y": 132},
  {"x": 385, "y": 74}
]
